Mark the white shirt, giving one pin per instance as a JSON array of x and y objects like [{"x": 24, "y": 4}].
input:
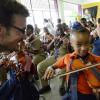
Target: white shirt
[
  {"x": 50, "y": 28},
  {"x": 96, "y": 32}
]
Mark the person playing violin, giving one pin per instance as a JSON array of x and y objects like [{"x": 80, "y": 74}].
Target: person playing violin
[
  {"x": 35, "y": 47},
  {"x": 80, "y": 84},
  {"x": 12, "y": 31}
]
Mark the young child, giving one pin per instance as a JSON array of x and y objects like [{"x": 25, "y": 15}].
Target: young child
[{"x": 79, "y": 82}]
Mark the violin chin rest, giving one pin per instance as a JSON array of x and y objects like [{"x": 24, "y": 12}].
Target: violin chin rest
[{"x": 77, "y": 64}]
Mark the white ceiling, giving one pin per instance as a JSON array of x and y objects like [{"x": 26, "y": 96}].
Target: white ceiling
[
  {"x": 89, "y": 1},
  {"x": 81, "y": 1},
  {"x": 43, "y": 4},
  {"x": 38, "y": 4}
]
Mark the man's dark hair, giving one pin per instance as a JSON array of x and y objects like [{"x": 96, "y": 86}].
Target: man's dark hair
[
  {"x": 99, "y": 20},
  {"x": 45, "y": 29},
  {"x": 65, "y": 26},
  {"x": 8, "y": 9},
  {"x": 30, "y": 28},
  {"x": 45, "y": 20},
  {"x": 83, "y": 19},
  {"x": 91, "y": 24},
  {"x": 59, "y": 20}
]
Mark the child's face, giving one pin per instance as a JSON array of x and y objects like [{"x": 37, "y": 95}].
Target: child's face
[{"x": 80, "y": 43}]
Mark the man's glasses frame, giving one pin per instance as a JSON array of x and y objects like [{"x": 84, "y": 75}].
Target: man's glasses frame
[{"x": 23, "y": 31}]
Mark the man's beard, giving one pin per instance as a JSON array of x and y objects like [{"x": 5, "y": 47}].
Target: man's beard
[{"x": 7, "y": 49}]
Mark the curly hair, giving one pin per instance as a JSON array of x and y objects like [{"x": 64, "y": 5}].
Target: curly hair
[{"x": 8, "y": 9}]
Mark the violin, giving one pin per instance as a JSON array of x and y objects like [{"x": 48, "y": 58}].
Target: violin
[
  {"x": 78, "y": 66},
  {"x": 23, "y": 58},
  {"x": 6, "y": 62},
  {"x": 23, "y": 61}
]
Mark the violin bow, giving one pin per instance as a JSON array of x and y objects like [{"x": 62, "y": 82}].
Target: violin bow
[{"x": 77, "y": 70}]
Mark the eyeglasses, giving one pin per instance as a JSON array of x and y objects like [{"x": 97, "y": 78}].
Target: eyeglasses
[{"x": 19, "y": 29}]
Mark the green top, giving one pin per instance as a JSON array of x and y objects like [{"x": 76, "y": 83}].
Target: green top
[{"x": 36, "y": 46}]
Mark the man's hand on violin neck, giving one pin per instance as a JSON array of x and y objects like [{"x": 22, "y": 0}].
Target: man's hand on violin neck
[{"x": 48, "y": 73}]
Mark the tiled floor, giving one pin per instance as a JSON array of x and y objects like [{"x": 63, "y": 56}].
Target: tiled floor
[{"x": 54, "y": 93}]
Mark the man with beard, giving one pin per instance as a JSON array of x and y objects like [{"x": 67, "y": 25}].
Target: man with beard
[{"x": 12, "y": 31}]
